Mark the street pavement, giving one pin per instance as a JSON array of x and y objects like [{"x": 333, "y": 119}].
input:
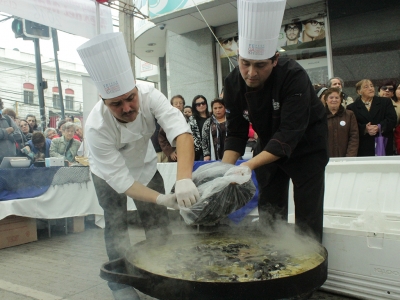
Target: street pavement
[{"x": 68, "y": 266}]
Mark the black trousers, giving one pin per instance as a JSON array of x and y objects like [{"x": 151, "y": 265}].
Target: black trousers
[
  {"x": 154, "y": 218},
  {"x": 308, "y": 192}
]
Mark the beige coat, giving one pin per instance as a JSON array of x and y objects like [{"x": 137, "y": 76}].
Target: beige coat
[{"x": 59, "y": 145}]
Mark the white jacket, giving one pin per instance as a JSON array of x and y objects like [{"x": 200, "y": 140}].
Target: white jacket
[{"x": 122, "y": 153}]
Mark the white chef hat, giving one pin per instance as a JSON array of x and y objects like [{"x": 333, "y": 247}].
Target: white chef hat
[
  {"x": 106, "y": 60},
  {"x": 259, "y": 24}
]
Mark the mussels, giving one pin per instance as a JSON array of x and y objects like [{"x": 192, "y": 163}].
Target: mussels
[{"x": 218, "y": 198}]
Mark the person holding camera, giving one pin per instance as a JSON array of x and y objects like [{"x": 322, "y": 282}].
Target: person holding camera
[{"x": 10, "y": 135}]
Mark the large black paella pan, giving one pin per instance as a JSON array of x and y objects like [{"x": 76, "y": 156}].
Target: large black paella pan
[{"x": 221, "y": 266}]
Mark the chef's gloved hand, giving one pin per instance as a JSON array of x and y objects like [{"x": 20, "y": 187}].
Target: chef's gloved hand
[
  {"x": 239, "y": 174},
  {"x": 168, "y": 200},
  {"x": 186, "y": 192},
  {"x": 241, "y": 170}
]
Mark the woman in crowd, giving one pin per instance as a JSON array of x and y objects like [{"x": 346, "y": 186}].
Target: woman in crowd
[
  {"x": 51, "y": 133},
  {"x": 38, "y": 147},
  {"x": 370, "y": 111},
  {"x": 65, "y": 146},
  {"x": 214, "y": 132},
  {"x": 321, "y": 94},
  {"x": 60, "y": 127},
  {"x": 342, "y": 126},
  {"x": 26, "y": 129},
  {"x": 78, "y": 133},
  {"x": 200, "y": 114},
  {"x": 388, "y": 90},
  {"x": 187, "y": 111},
  {"x": 11, "y": 113},
  {"x": 179, "y": 102},
  {"x": 31, "y": 119}
]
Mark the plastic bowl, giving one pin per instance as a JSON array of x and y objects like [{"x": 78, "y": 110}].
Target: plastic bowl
[{"x": 20, "y": 163}]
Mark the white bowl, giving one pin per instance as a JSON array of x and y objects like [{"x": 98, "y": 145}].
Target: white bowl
[{"x": 20, "y": 163}]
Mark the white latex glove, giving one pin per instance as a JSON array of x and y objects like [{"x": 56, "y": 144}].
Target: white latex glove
[
  {"x": 186, "y": 192},
  {"x": 239, "y": 170},
  {"x": 168, "y": 200}
]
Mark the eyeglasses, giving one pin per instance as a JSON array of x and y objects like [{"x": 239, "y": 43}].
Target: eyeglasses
[
  {"x": 200, "y": 104},
  {"x": 293, "y": 28},
  {"x": 387, "y": 88},
  {"x": 315, "y": 22},
  {"x": 227, "y": 41}
]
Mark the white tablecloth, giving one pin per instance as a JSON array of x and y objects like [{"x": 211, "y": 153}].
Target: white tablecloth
[
  {"x": 60, "y": 201},
  {"x": 71, "y": 200}
]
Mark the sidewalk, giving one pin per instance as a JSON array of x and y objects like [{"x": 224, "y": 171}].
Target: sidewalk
[{"x": 66, "y": 267}]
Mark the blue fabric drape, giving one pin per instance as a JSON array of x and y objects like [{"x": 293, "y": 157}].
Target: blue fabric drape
[{"x": 20, "y": 183}]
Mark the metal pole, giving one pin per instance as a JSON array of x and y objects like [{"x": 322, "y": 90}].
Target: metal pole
[
  {"x": 126, "y": 26},
  {"x": 39, "y": 80},
  {"x": 97, "y": 17},
  {"x": 55, "y": 47}
]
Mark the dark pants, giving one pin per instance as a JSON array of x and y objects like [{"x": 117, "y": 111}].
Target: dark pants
[
  {"x": 154, "y": 218},
  {"x": 308, "y": 194}
]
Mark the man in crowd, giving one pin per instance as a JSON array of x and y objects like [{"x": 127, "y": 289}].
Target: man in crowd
[
  {"x": 38, "y": 148},
  {"x": 277, "y": 97},
  {"x": 31, "y": 119},
  {"x": 7, "y": 128},
  {"x": 121, "y": 156}
]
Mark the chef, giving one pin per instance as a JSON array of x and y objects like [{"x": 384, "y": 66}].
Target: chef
[
  {"x": 275, "y": 94},
  {"x": 121, "y": 156}
]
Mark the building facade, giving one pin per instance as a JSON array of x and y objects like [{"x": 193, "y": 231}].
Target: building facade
[
  {"x": 18, "y": 86},
  {"x": 351, "y": 39}
]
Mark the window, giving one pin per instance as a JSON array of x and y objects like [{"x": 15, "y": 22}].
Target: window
[
  {"x": 69, "y": 102},
  {"x": 69, "y": 99},
  {"x": 28, "y": 92},
  {"x": 28, "y": 97},
  {"x": 56, "y": 101}
]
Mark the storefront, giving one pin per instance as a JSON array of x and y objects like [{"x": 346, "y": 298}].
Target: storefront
[{"x": 352, "y": 40}]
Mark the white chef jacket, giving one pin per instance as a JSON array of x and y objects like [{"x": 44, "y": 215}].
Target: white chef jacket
[{"x": 122, "y": 153}]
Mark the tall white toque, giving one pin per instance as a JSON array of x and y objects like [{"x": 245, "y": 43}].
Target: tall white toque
[
  {"x": 106, "y": 60},
  {"x": 259, "y": 24}
]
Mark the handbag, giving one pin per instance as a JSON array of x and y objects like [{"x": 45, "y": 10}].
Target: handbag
[{"x": 380, "y": 143}]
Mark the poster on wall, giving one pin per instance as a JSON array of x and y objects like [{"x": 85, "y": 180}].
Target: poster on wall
[
  {"x": 303, "y": 35},
  {"x": 229, "y": 47},
  {"x": 305, "y": 42}
]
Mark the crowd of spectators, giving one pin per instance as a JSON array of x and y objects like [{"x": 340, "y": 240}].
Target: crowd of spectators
[
  {"x": 352, "y": 121},
  {"x": 353, "y": 125},
  {"x": 22, "y": 137}
]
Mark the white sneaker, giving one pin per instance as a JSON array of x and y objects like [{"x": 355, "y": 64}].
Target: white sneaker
[{"x": 126, "y": 294}]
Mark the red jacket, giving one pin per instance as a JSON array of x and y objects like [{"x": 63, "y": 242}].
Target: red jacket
[{"x": 397, "y": 139}]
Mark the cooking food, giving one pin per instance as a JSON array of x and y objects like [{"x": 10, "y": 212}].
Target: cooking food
[{"x": 236, "y": 258}]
